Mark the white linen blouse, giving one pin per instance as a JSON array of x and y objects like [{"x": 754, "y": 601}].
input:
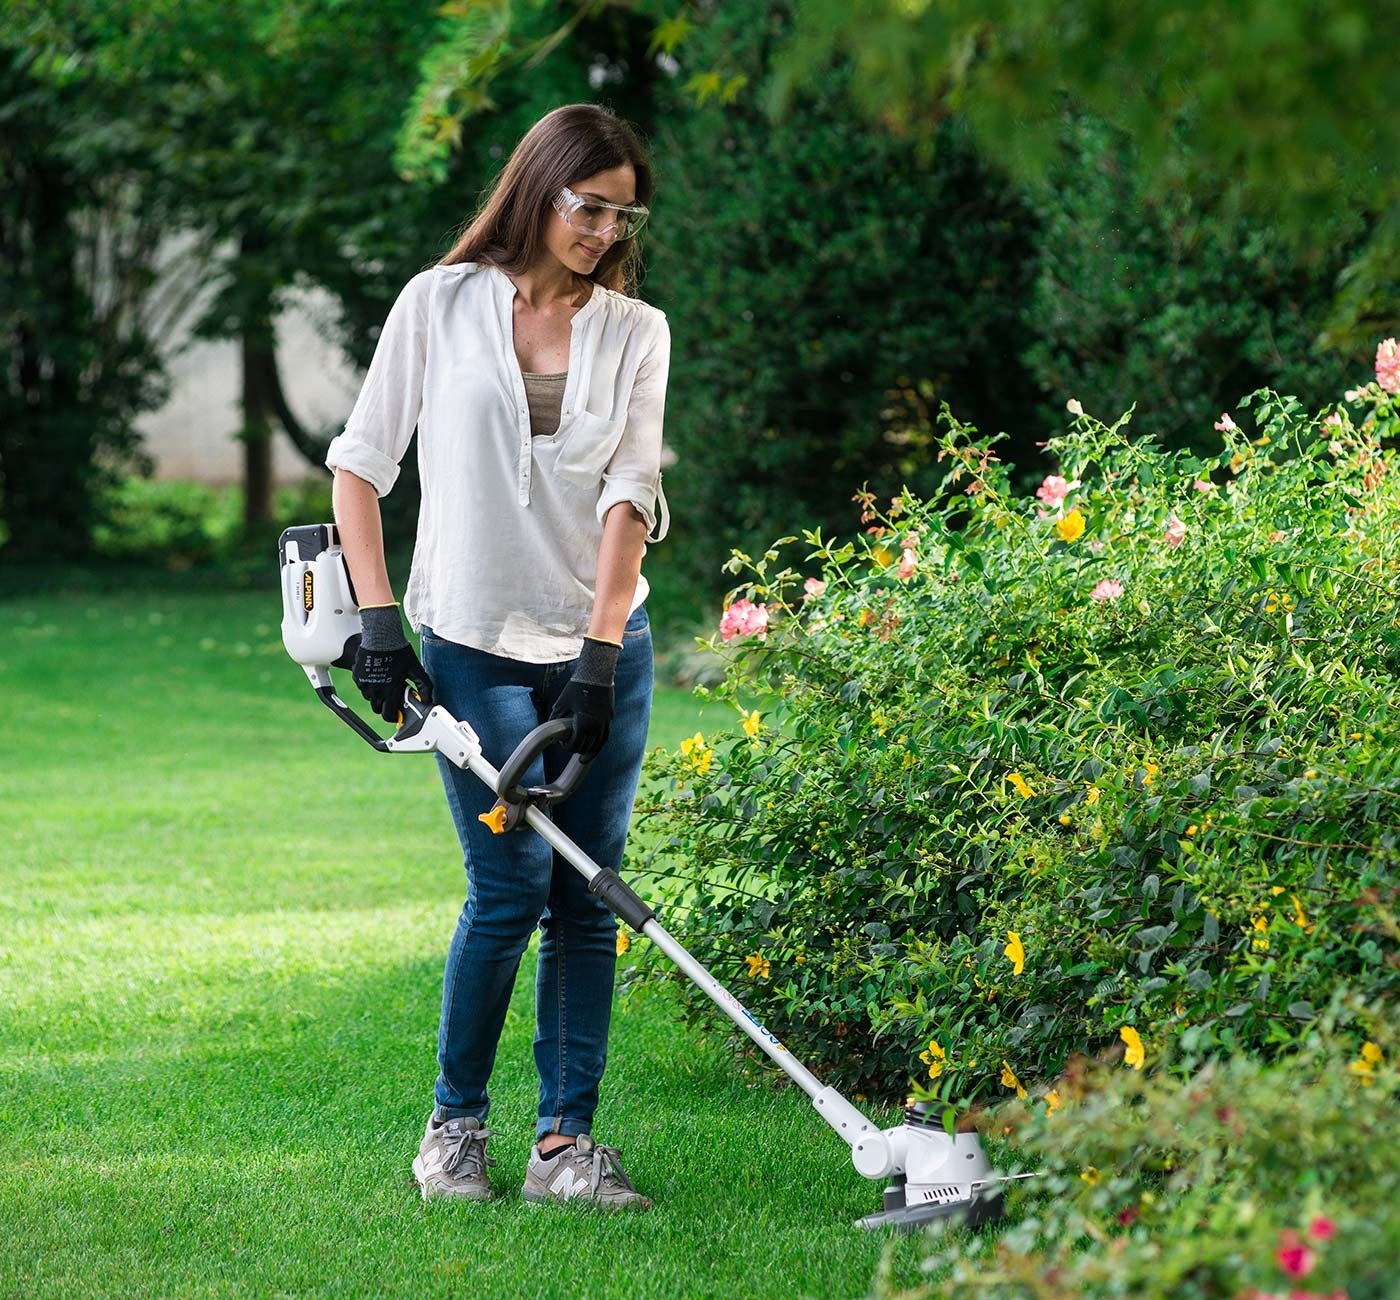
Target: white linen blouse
[{"x": 509, "y": 526}]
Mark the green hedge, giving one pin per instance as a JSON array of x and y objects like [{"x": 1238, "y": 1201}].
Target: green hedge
[
  {"x": 1022, "y": 777},
  {"x": 1246, "y": 1182}
]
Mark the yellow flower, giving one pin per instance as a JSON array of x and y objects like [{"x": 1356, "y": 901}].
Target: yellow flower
[
  {"x": 1009, "y": 1079},
  {"x": 933, "y": 1058},
  {"x": 866, "y": 618},
  {"x": 751, "y": 723},
  {"x": 1149, "y": 771},
  {"x": 624, "y": 942},
  {"x": 1015, "y": 952},
  {"x": 1052, "y": 1101},
  {"x": 1191, "y": 829},
  {"x": 882, "y": 556},
  {"x": 1135, "y": 1055},
  {"x": 1071, "y": 527},
  {"x": 1260, "y": 941},
  {"x": 701, "y": 756},
  {"x": 1023, "y": 787},
  {"x": 1300, "y": 918},
  {"x": 1090, "y": 1176},
  {"x": 1364, "y": 1067},
  {"x": 1091, "y": 795},
  {"x": 1064, "y": 819},
  {"x": 758, "y": 966}
]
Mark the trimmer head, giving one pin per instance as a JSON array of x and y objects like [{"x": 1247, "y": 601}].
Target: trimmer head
[{"x": 945, "y": 1178}]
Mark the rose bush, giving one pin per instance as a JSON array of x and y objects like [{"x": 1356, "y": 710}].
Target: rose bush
[{"x": 1017, "y": 774}]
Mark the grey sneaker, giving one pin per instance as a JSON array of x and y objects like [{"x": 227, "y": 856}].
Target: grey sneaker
[
  {"x": 586, "y": 1172},
  {"x": 452, "y": 1159}
]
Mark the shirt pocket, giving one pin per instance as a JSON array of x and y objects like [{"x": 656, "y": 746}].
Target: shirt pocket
[{"x": 585, "y": 446}]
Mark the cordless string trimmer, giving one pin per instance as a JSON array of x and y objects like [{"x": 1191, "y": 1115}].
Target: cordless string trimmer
[{"x": 933, "y": 1174}]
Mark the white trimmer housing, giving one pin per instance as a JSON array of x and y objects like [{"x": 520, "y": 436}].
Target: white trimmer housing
[{"x": 320, "y": 616}]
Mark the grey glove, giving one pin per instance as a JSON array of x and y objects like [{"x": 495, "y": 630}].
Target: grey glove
[
  {"x": 587, "y": 701},
  {"x": 385, "y": 663}
]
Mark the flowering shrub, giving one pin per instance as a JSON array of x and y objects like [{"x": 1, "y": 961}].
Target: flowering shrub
[
  {"x": 1112, "y": 762},
  {"x": 1246, "y": 1182}
]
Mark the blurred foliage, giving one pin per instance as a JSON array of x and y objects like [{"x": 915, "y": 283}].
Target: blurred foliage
[
  {"x": 1168, "y": 303},
  {"x": 1019, "y": 776},
  {"x": 76, "y": 363},
  {"x": 1285, "y": 110},
  {"x": 1245, "y": 1181},
  {"x": 183, "y": 526},
  {"x": 830, "y": 274},
  {"x": 825, "y": 293}
]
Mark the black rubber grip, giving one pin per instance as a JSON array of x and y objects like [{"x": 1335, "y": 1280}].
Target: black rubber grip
[{"x": 621, "y": 901}]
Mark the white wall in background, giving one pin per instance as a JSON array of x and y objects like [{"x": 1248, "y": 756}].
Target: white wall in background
[{"x": 191, "y": 436}]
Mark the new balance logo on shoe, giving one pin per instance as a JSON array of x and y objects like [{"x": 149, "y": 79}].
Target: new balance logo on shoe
[{"x": 566, "y": 1185}]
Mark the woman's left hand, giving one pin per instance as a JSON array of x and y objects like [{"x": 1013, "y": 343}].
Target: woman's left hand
[{"x": 587, "y": 701}]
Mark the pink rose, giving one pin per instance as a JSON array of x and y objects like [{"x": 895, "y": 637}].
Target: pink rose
[
  {"x": 1334, "y": 418},
  {"x": 1176, "y": 532},
  {"x": 1388, "y": 366},
  {"x": 1108, "y": 589},
  {"x": 813, "y": 588},
  {"x": 1224, "y": 424},
  {"x": 1203, "y": 485},
  {"x": 1293, "y": 1257},
  {"x": 907, "y": 564},
  {"x": 744, "y": 618},
  {"x": 1322, "y": 1228},
  {"x": 1053, "y": 490}
]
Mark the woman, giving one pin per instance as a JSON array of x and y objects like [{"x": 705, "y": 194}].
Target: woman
[{"x": 538, "y": 387}]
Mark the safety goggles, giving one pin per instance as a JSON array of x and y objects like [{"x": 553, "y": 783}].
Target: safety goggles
[{"x": 591, "y": 217}]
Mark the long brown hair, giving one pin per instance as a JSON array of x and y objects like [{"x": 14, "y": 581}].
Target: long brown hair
[{"x": 567, "y": 145}]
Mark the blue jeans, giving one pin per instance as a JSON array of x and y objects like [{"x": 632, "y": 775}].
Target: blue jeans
[{"x": 515, "y": 881}]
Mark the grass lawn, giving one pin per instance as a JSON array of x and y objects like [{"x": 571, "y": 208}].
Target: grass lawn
[{"x": 223, "y": 921}]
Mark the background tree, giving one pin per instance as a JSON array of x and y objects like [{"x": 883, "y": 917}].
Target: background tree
[
  {"x": 77, "y": 361},
  {"x": 825, "y": 291},
  {"x": 1167, "y": 303},
  {"x": 1285, "y": 112}
]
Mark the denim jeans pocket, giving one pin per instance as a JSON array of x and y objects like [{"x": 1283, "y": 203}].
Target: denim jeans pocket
[{"x": 638, "y": 623}]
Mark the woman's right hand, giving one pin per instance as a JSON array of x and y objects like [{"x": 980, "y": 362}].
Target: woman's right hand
[{"x": 385, "y": 663}]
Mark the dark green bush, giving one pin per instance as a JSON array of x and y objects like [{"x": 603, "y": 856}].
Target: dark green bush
[
  {"x": 1025, "y": 781},
  {"x": 822, "y": 283}
]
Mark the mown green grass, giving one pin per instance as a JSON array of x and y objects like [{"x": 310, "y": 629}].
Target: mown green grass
[{"x": 222, "y": 927}]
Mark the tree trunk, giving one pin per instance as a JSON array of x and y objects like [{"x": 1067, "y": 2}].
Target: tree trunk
[{"x": 257, "y": 434}]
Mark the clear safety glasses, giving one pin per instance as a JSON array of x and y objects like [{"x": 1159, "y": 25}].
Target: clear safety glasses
[{"x": 591, "y": 217}]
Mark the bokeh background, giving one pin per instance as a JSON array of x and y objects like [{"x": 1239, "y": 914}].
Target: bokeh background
[{"x": 863, "y": 211}]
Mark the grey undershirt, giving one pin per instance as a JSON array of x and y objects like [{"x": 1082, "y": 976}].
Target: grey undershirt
[{"x": 545, "y": 395}]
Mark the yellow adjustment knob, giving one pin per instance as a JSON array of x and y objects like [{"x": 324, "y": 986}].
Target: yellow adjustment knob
[{"x": 495, "y": 819}]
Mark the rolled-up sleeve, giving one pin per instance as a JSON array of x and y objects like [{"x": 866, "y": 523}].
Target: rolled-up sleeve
[
  {"x": 385, "y": 414},
  {"x": 634, "y": 472}
]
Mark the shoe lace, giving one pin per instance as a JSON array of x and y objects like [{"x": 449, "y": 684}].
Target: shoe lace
[
  {"x": 607, "y": 1165},
  {"x": 466, "y": 1148}
]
